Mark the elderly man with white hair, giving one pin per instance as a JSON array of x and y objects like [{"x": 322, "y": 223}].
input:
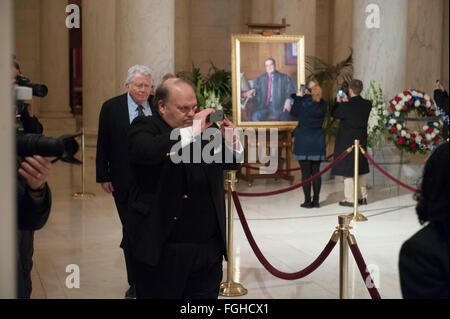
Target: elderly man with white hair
[{"x": 113, "y": 172}]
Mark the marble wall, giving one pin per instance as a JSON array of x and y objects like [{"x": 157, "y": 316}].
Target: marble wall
[
  {"x": 7, "y": 160},
  {"x": 380, "y": 53},
  {"x": 424, "y": 44}
]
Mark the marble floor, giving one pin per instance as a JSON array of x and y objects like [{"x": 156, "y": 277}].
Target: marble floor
[{"x": 87, "y": 233}]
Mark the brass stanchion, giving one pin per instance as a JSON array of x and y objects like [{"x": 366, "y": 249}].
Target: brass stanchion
[
  {"x": 356, "y": 215},
  {"x": 344, "y": 222},
  {"x": 83, "y": 194},
  {"x": 230, "y": 288}
]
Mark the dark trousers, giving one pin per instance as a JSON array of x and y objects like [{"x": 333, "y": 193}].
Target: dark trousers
[
  {"x": 122, "y": 208},
  {"x": 311, "y": 168},
  {"x": 269, "y": 113},
  {"x": 25, "y": 263},
  {"x": 185, "y": 271}
]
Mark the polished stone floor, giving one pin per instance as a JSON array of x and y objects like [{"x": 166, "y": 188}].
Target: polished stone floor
[{"x": 87, "y": 233}]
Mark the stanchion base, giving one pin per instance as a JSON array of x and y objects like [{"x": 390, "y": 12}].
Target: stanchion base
[
  {"x": 80, "y": 195},
  {"x": 358, "y": 218},
  {"x": 232, "y": 289}
]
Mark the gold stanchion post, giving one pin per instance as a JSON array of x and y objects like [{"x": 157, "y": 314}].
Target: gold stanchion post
[
  {"x": 230, "y": 288},
  {"x": 344, "y": 222},
  {"x": 356, "y": 215},
  {"x": 83, "y": 194}
]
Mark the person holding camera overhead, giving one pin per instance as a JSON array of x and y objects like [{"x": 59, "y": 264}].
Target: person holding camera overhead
[
  {"x": 177, "y": 208},
  {"x": 309, "y": 145},
  {"x": 353, "y": 114}
]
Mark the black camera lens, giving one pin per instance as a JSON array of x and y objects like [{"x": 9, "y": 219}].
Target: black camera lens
[{"x": 35, "y": 144}]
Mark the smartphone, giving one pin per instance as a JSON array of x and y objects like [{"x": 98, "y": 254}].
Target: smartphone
[
  {"x": 438, "y": 82},
  {"x": 341, "y": 93},
  {"x": 302, "y": 87},
  {"x": 215, "y": 117}
]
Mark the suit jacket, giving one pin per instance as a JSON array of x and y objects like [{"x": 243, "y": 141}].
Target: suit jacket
[
  {"x": 159, "y": 189},
  {"x": 112, "y": 160},
  {"x": 353, "y": 116},
  {"x": 282, "y": 90},
  {"x": 424, "y": 264}
]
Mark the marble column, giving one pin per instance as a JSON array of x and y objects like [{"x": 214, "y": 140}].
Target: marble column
[
  {"x": 54, "y": 53},
  {"x": 7, "y": 158},
  {"x": 27, "y": 41},
  {"x": 262, "y": 11},
  {"x": 144, "y": 35},
  {"x": 99, "y": 60},
  {"x": 424, "y": 44},
  {"x": 301, "y": 15},
  {"x": 380, "y": 53},
  {"x": 445, "y": 47},
  {"x": 99, "y": 76}
]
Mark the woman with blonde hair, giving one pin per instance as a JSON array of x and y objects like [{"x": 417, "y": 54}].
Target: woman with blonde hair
[{"x": 309, "y": 147}]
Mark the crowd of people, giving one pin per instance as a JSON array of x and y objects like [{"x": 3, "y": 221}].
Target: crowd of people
[{"x": 173, "y": 213}]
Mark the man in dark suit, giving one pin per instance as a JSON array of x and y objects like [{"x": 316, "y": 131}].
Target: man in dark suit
[
  {"x": 354, "y": 115},
  {"x": 112, "y": 163},
  {"x": 271, "y": 94},
  {"x": 177, "y": 209}
]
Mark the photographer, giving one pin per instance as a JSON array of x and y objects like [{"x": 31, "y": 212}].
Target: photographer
[
  {"x": 33, "y": 208},
  {"x": 441, "y": 98},
  {"x": 25, "y": 109},
  {"x": 33, "y": 193}
]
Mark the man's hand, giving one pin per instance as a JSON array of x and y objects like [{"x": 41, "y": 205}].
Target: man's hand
[
  {"x": 439, "y": 87},
  {"x": 342, "y": 99},
  {"x": 35, "y": 170},
  {"x": 225, "y": 126},
  {"x": 107, "y": 187},
  {"x": 287, "y": 106},
  {"x": 200, "y": 117},
  {"x": 250, "y": 93}
]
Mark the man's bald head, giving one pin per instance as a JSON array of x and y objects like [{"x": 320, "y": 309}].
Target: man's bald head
[{"x": 176, "y": 100}]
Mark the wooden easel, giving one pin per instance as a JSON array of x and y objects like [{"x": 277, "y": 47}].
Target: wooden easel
[
  {"x": 284, "y": 135},
  {"x": 268, "y": 29}
]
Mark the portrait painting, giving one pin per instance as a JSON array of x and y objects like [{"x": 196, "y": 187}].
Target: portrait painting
[{"x": 266, "y": 71}]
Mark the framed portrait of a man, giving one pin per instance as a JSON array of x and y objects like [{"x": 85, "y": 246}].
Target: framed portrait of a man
[{"x": 266, "y": 71}]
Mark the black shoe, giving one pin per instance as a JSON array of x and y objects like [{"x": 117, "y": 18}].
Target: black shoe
[
  {"x": 345, "y": 203},
  {"x": 362, "y": 201},
  {"x": 307, "y": 205},
  {"x": 131, "y": 293},
  {"x": 316, "y": 204}
]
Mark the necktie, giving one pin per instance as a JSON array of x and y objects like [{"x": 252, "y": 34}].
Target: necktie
[
  {"x": 269, "y": 89},
  {"x": 141, "y": 110}
]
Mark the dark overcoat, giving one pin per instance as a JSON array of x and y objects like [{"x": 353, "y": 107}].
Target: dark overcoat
[
  {"x": 309, "y": 134},
  {"x": 353, "y": 116},
  {"x": 159, "y": 189}
]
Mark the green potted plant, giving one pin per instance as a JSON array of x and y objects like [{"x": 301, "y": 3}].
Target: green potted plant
[{"x": 212, "y": 90}]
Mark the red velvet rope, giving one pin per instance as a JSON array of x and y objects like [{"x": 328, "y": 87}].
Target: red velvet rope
[
  {"x": 287, "y": 276},
  {"x": 309, "y": 180},
  {"x": 371, "y": 160},
  {"x": 284, "y": 170},
  {"x": 363, "y": 270}
]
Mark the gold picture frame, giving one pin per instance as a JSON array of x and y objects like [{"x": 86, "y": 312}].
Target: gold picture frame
[{"x": 252, "y": 54}]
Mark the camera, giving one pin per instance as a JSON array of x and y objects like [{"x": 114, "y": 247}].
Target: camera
[
  {"x": 29, "y": 140},
  {"x": 341, "y": 93},
  {"x": 215, "y": 117},
  {"x": 39, "y": 90}
]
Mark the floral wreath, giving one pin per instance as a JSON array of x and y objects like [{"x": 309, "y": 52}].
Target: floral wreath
[{"x": 424, "y": 106}]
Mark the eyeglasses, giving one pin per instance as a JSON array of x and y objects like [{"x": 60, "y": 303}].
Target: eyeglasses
[{"x": 142, "y": 85}]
